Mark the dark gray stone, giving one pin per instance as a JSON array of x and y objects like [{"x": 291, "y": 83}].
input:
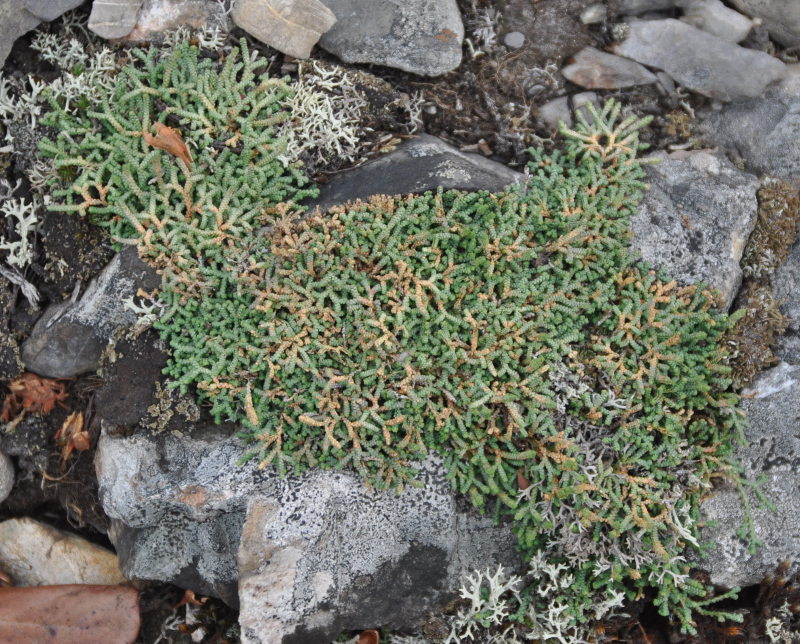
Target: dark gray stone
[
  {"x": 696, "y": 218},
  {"x": 700, "y": 61},
  {"x": 635, "y": 7},
  {"x": 774, "y": 452},
  {"x": 14, "y": 22},
  {"x": 70, "y": 337},
  {"x": 50, "y": 9},
  {"x": 418, "y": 36},
  {"x": 780, "y": 17},
  {"x": 420, "y": 164}
]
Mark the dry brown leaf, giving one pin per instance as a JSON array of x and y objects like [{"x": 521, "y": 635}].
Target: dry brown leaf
[
  {"x": 30, "y": 392},
  {"x": 69, "y": 614},
  {"x": 169, "y": 140},
  {"x": 369, "y": 637},
  {"x": 72, "y": 436},
  {"x": 190, "y": 598}
]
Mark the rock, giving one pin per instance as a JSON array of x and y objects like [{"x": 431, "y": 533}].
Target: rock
[
  {"x": 595, "y": 69},
  {"x": 14, "y": 22},
  {"x": 114, "y": 18},
  {"x": 699, "y": 61},
  {"x": 635, "y": 7},
  {"x": 6, "y": 476},
  {"x": 418, "y": 36},
  {"x": 50, "y": 9},
  {"x": 715, "y": 18},
  {"x": 36, "y": 554},
  {"x": 780, "y": 17},
  {"x": 69, "y": 337},
  {"x": 514, "y": 39},
  {"x": 580, "y": 102},
  {"x": 594, "y": 14},
  {"x": 314, "y": 551},
  {"x": 786, "y": 286},
  {"x": 762, "y": 131},
  {"x": 696, "y": 218},
  {"x": 666, "y": 82},
  {"x": 420, "y": 164},
  {"x": 157, "y": 16},
  {"x": 773, "y": 451},
  {"x": 556, "y": 111},
  {"x": 290, "y": 26}
]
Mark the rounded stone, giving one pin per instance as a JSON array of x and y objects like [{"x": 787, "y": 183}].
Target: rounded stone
[
  {"x": 514, "y": 39},
  {"x": 6, "y": 476}
]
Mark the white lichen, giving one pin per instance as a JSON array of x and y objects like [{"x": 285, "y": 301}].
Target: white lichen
[{"x": 22, "y": 217}]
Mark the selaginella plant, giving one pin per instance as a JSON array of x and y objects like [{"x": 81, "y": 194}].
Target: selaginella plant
[{"x": 566, "y": 386}]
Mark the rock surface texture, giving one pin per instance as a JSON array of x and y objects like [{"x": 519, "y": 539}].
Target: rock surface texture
[
  {"x": 696, "y": 218},
  {"x": 420, "y": 164},
  {"x": 36, "y": 554},
  {"x": 419, "y": 36},
  {"x": 780, "y": 17},
  {"x": 50, "y": 9},
  {"x": 157, "y": 16},
  {"x": 715, "y": 18},
  {"x": 786, "y": 289},
  {"x": 700, "y": 61},
  {"x": 774, "y": 451},
  {"x": 762, "y": 131},
  {"x": 289, "y": 26},
  {"x": 314, "y": 552},
  {"x": 6, "y": 476},
  {"x": 114, "y": 18},
  {"x": 69, "y": 337},
  {"x": 14, "y": 22},
  {"x": 596, "y": 69}
]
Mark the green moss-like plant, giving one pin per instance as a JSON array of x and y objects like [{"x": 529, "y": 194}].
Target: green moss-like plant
[{"x": 565, "y": 385}]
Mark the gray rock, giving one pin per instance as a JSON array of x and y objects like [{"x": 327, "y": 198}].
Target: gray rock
[
  {"x": 556, "y": 111},
  {"x": 514, "y": 39},
  {"x": 36, "y": 554},
  {"x": 762, "y": 131},
  {"x": 580, "y": 103},
  {"x": 14, "y": 22},
  {"x": 6, "y": 476},
  {"x": 594, "y": 14},
  {"x": 773, "y": 451},
  {"x": 420, "y": 164},
  {"x": 699, "y": 61},
  {"x": 50, "y": 9},
  {"x": 786, "y": 286},
  {"x": 419, "y": 36},
  {"x": 289, "y": 26},
  {"x": 780, "y": 17},
  {"x": 158, "y": 16},
  {"x": 666, "y": 82},
  {"x": 695, "y": 219},
  {"x": 114, "y": 18},
  {"x": 314, "y": 551},
  {"x": 69, "y": 337},
  {"x": 595, "y": 69},
  {"x": 635, "y": 7},
  {"x": 715, "y": 18}
]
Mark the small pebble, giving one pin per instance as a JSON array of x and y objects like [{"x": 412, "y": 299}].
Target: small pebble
[
  {"x": 514, "y": 39},
  {"x": 6, "y": 476},
  {"x": 593, "y": 14}
]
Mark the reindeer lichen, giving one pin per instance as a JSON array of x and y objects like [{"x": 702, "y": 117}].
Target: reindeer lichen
[{"x": 567, "y": 386}]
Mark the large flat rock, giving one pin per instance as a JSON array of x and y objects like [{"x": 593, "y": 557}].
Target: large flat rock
[{"x": 14, "y": 22}]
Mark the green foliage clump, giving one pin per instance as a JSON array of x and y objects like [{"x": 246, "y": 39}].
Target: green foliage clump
[{"x": 565, "y": 385}]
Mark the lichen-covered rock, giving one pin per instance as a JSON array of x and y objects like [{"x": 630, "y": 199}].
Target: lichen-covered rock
[
  {"x": 315, "y": 549},
  {"x": 420, "y": 164},
  {"x": 773, "y": 451},
  {"x": 419, "y": 36},
  {"x": 155, "y": 17},
  {"x": 70, "y": 336},
  {"x": 696, "y": 218}
]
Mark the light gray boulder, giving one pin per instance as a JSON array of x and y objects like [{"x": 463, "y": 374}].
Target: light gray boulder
[
  {"x": 774, "y": 452},
  {"x": 762, "y": 131},
  {"x": 715, "y": 18},
  {"x": 14, "y": 22},
  {"x": 50, "y": 9},
  {"x": 70, "y": 336},
  {"x": 114, "y": 18},
  {"x": 696, "y": 218},
  {"x": 313, "y": 553},
  {"x": 419, "y": 36},
  {"x": 780, "y": 17},
  {"x": 699, "y": 60}
]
